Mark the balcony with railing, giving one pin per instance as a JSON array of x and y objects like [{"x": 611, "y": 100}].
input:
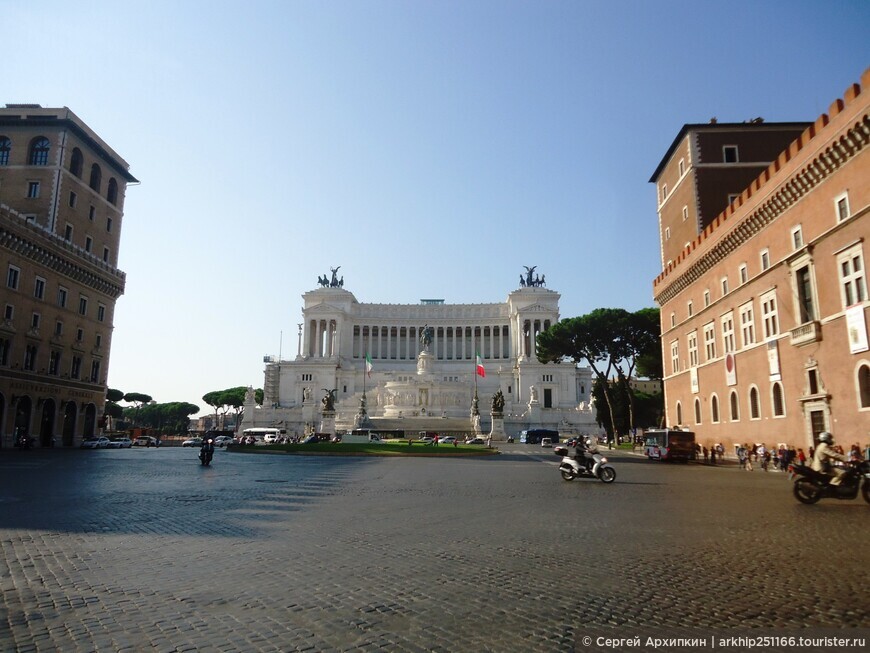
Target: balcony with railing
[{"x": 806, "y": 333}]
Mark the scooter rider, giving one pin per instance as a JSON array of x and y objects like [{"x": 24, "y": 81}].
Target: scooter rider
[
  {"x": 825, "y": 453},
  {"x": 586, "y": 449},
  {"x": 206, "y": 451}
]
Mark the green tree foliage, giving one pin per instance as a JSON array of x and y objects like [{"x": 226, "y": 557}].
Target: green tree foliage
[
  {"x": 114, "y": 395},
  {"x": 172, "y": 417},
  {"x": 610, "y": 341},
  {"x": 137, "y": 399},
  {"x": 232, "y": 398}
]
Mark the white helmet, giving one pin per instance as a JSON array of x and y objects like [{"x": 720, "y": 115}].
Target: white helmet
[{"x": 826, "y": 437}]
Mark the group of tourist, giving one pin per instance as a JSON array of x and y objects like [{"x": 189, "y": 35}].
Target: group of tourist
[{"x": 780, "y": 458}]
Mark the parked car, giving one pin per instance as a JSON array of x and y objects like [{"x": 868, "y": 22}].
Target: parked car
[
  {"x": 475, "y": 441},
  {"x": 120, "y": 443},
  {"x": 546, "y": 442},
  {"x": 192, "y": 442},
  {"x": 95, "y": 443},
  {"x": 270, "y": 438},
  {"x": 223, "y": 440},
  {"x": 146, "y": 441},
  {"x": 426, "y": 440},
  {"x": 447, "y": 440}
]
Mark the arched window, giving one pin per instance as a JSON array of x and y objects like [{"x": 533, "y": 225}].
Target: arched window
[
  {"x": 864, "y": 385},
  {"x": 5, "y": 149},
  {"x": 679, "y": 413},
  {"x": 778, "y": 403},
  {"x": 754, "y": 407},
  {"x": 735, "y": 412},
  {"x": 77, "y": 163},
  {"x": 714, "y": 409},
  {"x": 96, "y": 178},
  {"x": 112, "y": 192},
  {"x": 697, "y": 411},
  {"x": 39, "y": 148}
]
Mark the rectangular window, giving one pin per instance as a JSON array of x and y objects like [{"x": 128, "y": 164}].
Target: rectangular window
[
  {"x": 105, "y": 254},
  {"x": 58, "y": 328},
  {"x": 682, "y": 167},
  {"x": 747, "y": 324},
  {"x": 39, "y": 288},
  {"x": 75, "y": 369},
  {"x": 710, "y": 341},
  {"x": 765, "y": 259},
  {"x": 68, "y": 233},
  {"x": 30, "y": 352},
  {"x": 101, "y": 312},
  {"x": 92, "y": 213},
  {"x": 842, "y": 205},
  {"x": 673, "y": 319},
  {"x": 95, "y": 371},
  {"x": 806, "y": 305},
  {"x": 693, "y": 349},
  {"x": 33, "y": 189},
  {"x": 108, "y": 225},
  {"x": 9, "y": 313},
  {"x": 689, "y": 309},
  {"x": 685, "y": 213},
  {"x": 797, "y": 238},
  {"x": 675, "y": 356},
  {"x": 729, "y": 154},
  {"x": 83, "y": 305},
  {"x": 89, "y": 243},
  {"x": 853, "y": 282},
  {"x": 706, "y": 298},
  {"x": 724, "y": 286},
  {"x": 728, "y": 342},
  {"x": 61, "y": 296},
  {"x": 73, "y": 199},
  {"x": 769, "y": 316},
  {"x": 744, "y": 274},
  {"x": 667, "y": 233},
  {"x": 34, "y": 320},
  {"x": 80, "y": 335},
  {"x": 664, "y": 192},
  {"x": 98, "y": 342},
  {"x": 54, "y": 363},
  {"x": 12, "y": 277},
  {"x": 4, "y": 351}
]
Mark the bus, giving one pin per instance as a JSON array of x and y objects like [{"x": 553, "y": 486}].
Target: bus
[
  {"x": 534, "y": 436},
  {"x": 262, "y": 434},
  {"x": 669, "y": 444}
]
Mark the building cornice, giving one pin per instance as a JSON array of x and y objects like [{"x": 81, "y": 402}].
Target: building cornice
[{"x": 785, "y": 196}]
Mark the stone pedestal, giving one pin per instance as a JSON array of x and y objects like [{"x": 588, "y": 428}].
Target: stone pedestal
[
  {"x": 497, "y": 433},
  {"x": 534, "y": 414},
  {"x": 327, "y": 423}
]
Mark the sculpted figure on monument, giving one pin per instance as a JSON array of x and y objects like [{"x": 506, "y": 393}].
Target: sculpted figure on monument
[
  {"x": 334, "y": 282},
  {"x": 533, "y": 393},
  {"x": 498, "y": 402},
  {"x": 328, "y": 400},
  {"x": 529, "y": 272},
  {"x": 426, "y": 335}
]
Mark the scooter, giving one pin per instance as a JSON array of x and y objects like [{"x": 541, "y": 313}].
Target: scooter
[
  {"x": 598, "y": 467},
  {"x": 205, "y": 455},
  {"x": 810, "y": 485}
]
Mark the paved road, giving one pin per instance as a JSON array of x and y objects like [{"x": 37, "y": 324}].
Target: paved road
[{"x": 143, "y": 549}]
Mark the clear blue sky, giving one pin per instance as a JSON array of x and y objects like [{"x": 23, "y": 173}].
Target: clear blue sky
[{"x": 431, "y": 149}]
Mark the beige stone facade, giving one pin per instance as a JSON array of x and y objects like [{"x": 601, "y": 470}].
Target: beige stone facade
[
  {"x": 764, "y": 311},
  {"x": 62, "y": 192}
]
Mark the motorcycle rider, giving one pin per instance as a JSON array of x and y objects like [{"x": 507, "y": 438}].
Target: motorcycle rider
[
  {"x": 823, "y": 454},
  {"x": 206, "y": 451}
]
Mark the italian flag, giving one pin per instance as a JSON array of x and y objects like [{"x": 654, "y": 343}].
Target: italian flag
[
  {"x": 369, "y": 365},
  {"x": 480, "y": 371}
]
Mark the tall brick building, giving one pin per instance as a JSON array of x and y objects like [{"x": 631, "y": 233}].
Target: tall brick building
[
  {"x": 62, "y": 192},
  {"x": 763, "y": 292}
]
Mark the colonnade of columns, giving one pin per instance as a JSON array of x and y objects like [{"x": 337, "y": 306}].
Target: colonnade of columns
[
  {"x": 448, "y": 342},
  {"x": 493, "y": 342}
]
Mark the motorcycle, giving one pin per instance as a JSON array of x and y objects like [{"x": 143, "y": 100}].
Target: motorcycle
[
  {"x": 810, "y": 485},
  {"x": 205, "y": 456},
  {"x": 597, "y": 467}
]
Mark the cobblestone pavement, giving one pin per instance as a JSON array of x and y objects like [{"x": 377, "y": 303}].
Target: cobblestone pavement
[{"x": 143, "y": 549}]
